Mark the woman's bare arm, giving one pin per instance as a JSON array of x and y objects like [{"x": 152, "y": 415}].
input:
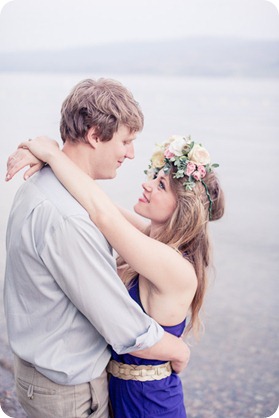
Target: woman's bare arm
[{"x": 134, "y": 219}]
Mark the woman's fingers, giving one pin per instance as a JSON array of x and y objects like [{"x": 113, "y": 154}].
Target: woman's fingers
[{"x": 20, "y": 159}]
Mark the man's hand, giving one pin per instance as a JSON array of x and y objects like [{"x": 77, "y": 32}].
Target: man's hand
[
  {"x": 179, "y": 366},
  {"x": 169, "y": 348}
]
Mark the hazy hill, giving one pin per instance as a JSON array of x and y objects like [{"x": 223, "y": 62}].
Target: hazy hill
[{"x": 187, "y": 57}]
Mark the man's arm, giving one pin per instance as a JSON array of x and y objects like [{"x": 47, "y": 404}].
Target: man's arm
[
  {"x": 85, "y": 270},
  {"x": 169, "y": 348}
]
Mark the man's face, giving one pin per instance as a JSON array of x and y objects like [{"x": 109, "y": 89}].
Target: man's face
[{"x": 111, "y": 154}]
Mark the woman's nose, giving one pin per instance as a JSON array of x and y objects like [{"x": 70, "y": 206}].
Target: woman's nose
[{"x": 147, "y": 186}]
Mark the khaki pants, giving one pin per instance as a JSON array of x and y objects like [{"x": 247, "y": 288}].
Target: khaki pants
[{"x": 42, "y": 398}]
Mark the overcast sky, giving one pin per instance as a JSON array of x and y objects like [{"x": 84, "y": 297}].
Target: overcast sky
[{"x": 47, "y": 24}]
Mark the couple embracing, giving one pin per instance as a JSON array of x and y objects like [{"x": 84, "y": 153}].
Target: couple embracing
[{"x": 89, "y": 330}]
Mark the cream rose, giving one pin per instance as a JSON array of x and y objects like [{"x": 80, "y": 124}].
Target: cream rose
[
  {"x": 157, "y": 159},
  {"x": 199, "y": 155}
]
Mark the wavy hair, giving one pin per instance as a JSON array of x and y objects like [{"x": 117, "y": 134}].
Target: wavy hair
[{"x": 187, "y": 232}]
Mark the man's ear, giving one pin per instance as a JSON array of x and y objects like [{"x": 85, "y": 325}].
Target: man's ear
[{"x": 92, "y": 137}]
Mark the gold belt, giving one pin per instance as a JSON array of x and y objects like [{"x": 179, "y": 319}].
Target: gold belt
[{"x": 141, "y": 373}]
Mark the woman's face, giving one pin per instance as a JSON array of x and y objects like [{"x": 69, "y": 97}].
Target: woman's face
[{"x": 158, "y": 201}]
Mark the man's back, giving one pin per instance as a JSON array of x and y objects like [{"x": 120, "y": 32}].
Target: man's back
[{"x": 46, "y": 242}]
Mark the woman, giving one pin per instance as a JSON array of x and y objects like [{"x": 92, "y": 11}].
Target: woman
[{"x": 164, "y": 264}]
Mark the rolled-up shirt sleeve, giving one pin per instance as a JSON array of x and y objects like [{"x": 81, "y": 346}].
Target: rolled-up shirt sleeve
[{"x": 82, "y": 264}]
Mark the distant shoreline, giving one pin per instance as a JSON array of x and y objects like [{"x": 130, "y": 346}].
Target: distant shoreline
[{"x": 198, "y": 57}]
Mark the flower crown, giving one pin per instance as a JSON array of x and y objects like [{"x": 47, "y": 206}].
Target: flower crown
[{"x": 190, "y": 159}]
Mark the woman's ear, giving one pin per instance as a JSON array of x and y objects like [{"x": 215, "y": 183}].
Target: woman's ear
[{"x": 92, "y": 137}]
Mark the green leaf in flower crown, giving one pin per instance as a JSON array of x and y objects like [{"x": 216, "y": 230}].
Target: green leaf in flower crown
[
  {"x": 189, "y": 185},
  {"x": 191, "y": 146},
  {"x": 166, "y": 168},
  {"x": 179, "y": 174}
]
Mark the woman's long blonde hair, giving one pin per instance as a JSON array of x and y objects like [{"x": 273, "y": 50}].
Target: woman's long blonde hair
[{"x": 187, "y": 232}]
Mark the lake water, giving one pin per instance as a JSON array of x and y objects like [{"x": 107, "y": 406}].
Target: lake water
[{"x": 233, "y": 370}]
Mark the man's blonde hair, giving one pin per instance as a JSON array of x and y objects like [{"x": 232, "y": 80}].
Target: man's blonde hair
[{"x": 104, "y": 104}]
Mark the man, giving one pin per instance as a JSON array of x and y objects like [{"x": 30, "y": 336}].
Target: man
[{"x": 64, "y": 302}]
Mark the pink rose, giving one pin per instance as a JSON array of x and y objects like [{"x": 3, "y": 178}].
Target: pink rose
[
  {"x": 196, "y": 175},
  {"x": 168, "y": 153},
  {"x": 191, "y": 167},
  {"x": 202, "y": 171}
]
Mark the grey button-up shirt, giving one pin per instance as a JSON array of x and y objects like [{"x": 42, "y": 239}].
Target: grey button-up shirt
[{"x": 64, "y": 302}]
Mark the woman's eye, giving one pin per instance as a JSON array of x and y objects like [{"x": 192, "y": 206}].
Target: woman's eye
[{"x": 161, "y": 185}]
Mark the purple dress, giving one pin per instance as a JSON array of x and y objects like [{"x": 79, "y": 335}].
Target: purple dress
[{"x": 157, "y": 398}]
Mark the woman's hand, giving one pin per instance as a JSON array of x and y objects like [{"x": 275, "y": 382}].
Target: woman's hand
[
  {"x": 42, "y": 147},
  {"x": 33, "y": 153},
  {"x": 22, "y": 158}
]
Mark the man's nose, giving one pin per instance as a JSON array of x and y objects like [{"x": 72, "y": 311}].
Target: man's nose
[{"x": 130, "y": 151}]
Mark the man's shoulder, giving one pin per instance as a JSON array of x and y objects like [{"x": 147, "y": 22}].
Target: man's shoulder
[
  {"x": 43, "y": 206},
  {"x": 48, "y": 189}
]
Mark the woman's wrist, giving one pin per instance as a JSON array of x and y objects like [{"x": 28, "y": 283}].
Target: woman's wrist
[{"x": 52, "y": 156}]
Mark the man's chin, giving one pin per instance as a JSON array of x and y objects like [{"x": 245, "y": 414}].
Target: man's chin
[
  {"x": 113, "y": 175},
  {"x": 110, "y": 176}
]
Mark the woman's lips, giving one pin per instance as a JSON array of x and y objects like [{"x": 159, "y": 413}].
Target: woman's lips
[{"x": 144, "y": 199}]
